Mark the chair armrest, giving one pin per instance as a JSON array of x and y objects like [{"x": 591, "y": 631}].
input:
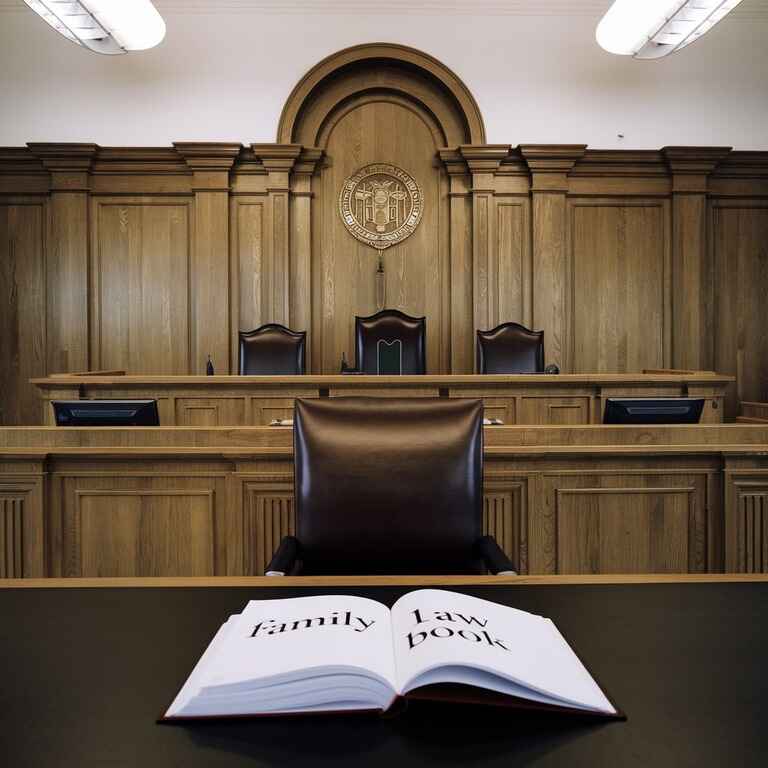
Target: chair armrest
[
  {"x": 494, "y": 558},
  {"x": 284, "y": 559}
]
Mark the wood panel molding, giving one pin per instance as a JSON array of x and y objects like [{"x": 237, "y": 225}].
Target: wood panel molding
[
  {"x": 550, "y": 166},
  {"x": 216, "y": 501},
  {"x": 22, "y": 528},
  {"x": 746, "y": 545},
  {"x": 624, "y": 258},
  {"x": 359, "y": 57}
]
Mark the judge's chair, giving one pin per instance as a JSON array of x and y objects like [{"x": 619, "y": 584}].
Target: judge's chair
[
  {"x": 390, "y": 342},
  {"x": 388, "y": 486},
  {"x": 510, "y": 348},
  {"x": 272, "y": 350}
]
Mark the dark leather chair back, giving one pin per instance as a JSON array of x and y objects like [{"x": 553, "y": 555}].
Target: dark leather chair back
[
  {"x": 272, "y": 350},
  {"x": 385, "y": 328},
  {"x": 510, "y": 348},
  {"x": 388, "y": 485}
]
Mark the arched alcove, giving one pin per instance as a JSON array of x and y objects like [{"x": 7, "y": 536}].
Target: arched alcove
[
  {"x": 368, "y": 107},
  {"x": 397, "y": 70}
]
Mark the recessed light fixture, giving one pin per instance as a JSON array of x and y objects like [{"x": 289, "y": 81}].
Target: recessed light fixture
[
  {"x": 104, "y": 26},
  {"x": 650, "y": 29}
]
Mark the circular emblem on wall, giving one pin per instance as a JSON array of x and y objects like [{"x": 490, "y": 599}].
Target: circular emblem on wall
[{"x": 381, "y": 205}]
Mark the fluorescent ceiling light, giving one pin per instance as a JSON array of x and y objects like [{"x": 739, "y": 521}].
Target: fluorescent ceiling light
[
  {"x": 650, "y": 29},
  {"x": 104, "y": 26}
]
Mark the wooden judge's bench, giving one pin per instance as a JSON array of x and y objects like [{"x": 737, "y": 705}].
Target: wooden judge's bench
[
  {"x": 210, "y": 491},
  {"x": 194, "y": 501},
  {"x": 222, "y": 401}
]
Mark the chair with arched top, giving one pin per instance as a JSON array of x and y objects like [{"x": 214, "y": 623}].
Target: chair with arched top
[
  {"x": 390, "y": 342},
  {"x": 272, "y": 350},
  {"x": 510, "y": 348}
]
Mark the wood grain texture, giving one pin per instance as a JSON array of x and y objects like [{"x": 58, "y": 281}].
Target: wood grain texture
[
  {"x": 215, "y": 501},
  {"x": 67, "y": 295},
  {"x": 23, "y": 314},
  {"x": 256, "y": 400},
  {"x": 21, "y": 525},
  {"x": 209, "y": 282},
  {"x": 625, "y": 259},
  {"x": 416, "y": 270},
  {"x": 292, "y": 582},
  {"x": 619, "y": 283},
  {"x": 140, "y": 285},
  {"x": 740, "y": 256}
]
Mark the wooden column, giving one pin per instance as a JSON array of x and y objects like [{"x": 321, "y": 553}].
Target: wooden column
[
  {"x": 278, "y": 160},
  {"x": 549, "y": 166},
  {"x": 67, "y": 254},
  {"x": 210, "y": 322},
  {"x": 300, "y": 288},
  {"x": 462, "y": 336},
  {"x": 483, "y": 162},
  {"x": 692, "y": 278}
]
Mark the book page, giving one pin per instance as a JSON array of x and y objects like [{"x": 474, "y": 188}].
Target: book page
[
  {"x": 192, "y": 685},
  {"x": 276, "y": 641},
  {"x": 488, "y": 645}
]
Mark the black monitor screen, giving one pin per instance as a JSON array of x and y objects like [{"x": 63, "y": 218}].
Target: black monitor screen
[
  {"x": 106, "y": 413},
  {"x": 653, "y": 410}
]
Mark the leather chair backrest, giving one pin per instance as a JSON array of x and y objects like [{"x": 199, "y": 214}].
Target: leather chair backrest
[
  {"x": 272, "y": 350},
  {"x": 388, "y": 485},
  {"x": 510, "y": 348},
  {"x": 388, "y": 326}
]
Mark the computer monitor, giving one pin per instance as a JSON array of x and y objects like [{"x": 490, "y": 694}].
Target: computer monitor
[
  {"x": 106, "y": 413},
  {"x": 653, "y": 410}
]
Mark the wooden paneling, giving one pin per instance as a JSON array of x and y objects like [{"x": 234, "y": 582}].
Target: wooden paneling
[
  {"x": 516, "y": 399},
  {"x": 217, "y": 500},
  {"x": 746, "y": 531},
  {"x": 210, "y": 412},
  {"x": 12, "y": 536},
  {"x": 416, "y": 270},
  {"x": 740, "y": 256},
  {"x": 620, "y": 285},
  {"x": 23, "y": 312},
  {"x": 185, "y": 508},
  {"x": 632, "y": 530},
  {"x": 21, "y": 527},
  {"x": 67, "y": 295},
  {"x": 149, "y": 259},
  {"x": 140, "y": 285},
  {"x": 145, "y": 533},
  {"x": 554, "y": 410},
  {"x": 645, "y": 521},
  {"x": 267, "y": 517},
  {"x": 252, "y": 300},
  {"x": 515, "y": 270},
  {"x": 754, "y": 532},
  {"x": 140, "y": 520},
  {"x": 505, "y": 516}
]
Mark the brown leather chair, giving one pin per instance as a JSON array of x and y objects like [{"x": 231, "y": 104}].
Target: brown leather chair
[
  {"x": 386, "y": 332},
  {"x": 272, "y": 350},
  {"x": 388, "y": 485},
  {"x": 510, "y": 348}
]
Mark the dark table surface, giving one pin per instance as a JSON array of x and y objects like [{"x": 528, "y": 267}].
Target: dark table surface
[{"x": 86, "y": 672}]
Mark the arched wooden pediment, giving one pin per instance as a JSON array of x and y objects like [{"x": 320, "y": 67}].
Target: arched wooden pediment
[{"x": 383, "y": 71}]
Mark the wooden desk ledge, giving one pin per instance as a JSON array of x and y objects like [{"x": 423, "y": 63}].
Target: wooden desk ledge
[{"x": 380, "y": 581}]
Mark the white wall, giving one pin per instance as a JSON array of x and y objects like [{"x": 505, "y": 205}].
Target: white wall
[{"x": 537, "y": 79}]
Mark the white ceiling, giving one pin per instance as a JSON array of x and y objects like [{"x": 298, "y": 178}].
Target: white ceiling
[
  {"x": 749, "y": 10},
  {"x": 226, "y": 67}
]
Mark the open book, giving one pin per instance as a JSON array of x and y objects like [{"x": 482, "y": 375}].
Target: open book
[{"x": 337, "y": 652}]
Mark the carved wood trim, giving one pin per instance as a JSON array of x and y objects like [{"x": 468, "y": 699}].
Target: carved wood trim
[{"x": 373, "y": 52}]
